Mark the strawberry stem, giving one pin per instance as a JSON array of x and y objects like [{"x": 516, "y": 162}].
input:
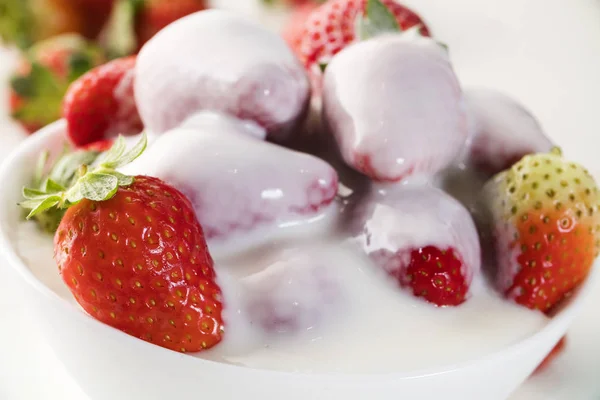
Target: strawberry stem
[
  {"x": 377, "y": 20},
  {"x": 78, "y": 175}
]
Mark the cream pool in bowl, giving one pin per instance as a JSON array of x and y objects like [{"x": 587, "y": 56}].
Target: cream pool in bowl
[{"x": 402, "y": 349}]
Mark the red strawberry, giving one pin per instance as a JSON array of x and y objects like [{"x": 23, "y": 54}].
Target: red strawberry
[
  {"x": 134, "y": 256},
  {"x": 100, "y": 146},
  {"x": 424, "y": 239},
  {"x": 547, "y": 228},
  {"x": 43, "y": 76},
  {"x": 554, "y": 353},
  {"x": 96, "y": 14},
  {"x": 434, "y": 274},
  {"x": 100, "y": 104},
  {"x": 332, "y": 27},
  {"x": 294, "y": 29},
  {"x": 154, "y": 15}
]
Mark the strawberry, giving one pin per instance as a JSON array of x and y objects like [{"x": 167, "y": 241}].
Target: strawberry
[
  {"x": 432, "y": 273},
  {"x": 502, "y": 131},
  {"x": 298, "y": 293},
  {"x": 100, "y": 104},
  {"x": 228, "y": 176},
  {"x": 381, "y": 134},
  {"x": 99, "y": 146},
  {"x": 96, "y": 13},
  {"x": 290, "y": 3},
  {"x": 544, "y": 215},
  {"x": 294, "y": 28},
  {"x": 423, "y": 239},
  {"x": 154, "y": 15},
  {"x": 133, "y": 22},
  {"x": 332, "y": 27},
  {"x": 43, "y": 76},
  {"x": 133, "y": 254},
  {"x": 265, "y": 85}
]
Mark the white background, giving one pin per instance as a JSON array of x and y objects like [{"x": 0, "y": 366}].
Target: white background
[{"x": 551, "y": 51}]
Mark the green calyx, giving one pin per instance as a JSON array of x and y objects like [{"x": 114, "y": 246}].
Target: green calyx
[
  {"x": 75, "y": 176},
  {"x": 42, "y": 93},
  {"x": 43, "y": 87},
  {"x": 376, "y": 20},
  {"x": 81, "y": 54}
]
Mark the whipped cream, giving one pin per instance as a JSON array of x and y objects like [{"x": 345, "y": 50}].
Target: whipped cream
[{"x": 347, "y": 318}]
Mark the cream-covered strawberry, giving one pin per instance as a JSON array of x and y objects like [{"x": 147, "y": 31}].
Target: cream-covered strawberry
[
  {"x": 395, "y": 107},
  {"x": 423, "y": 238},
  {"x": 333, "y": 26},
  {"x": 299, "y": 292},
  {"x": 545, "y": 219},
  {"x": 218, "y": 61},
  {"x": 502, "y": 131},
  {"x": 236, "y": 183}
]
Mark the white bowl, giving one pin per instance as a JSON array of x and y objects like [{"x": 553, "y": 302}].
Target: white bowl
[{"x": 109, "y": 364}]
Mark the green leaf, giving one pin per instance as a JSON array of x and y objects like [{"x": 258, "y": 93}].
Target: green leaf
[
  {"x": 22, "y": 86},
  {"x": 51, "y": 186},
  {"x": 124, "y": 180},
  {"x": 66, "y": 167},
  {"x": 38, "y": 207},
  {"x": 43, "y": 93},
  {"x": 49, "y": 220},
  {"x": 74, "y": 195},
  {"x": 98, "y": 187},
  {"x": 378, "y": 19},
  {"x": 40, "y": 167},
  {"x": 75, "y": 176},
  {"x": 31, "y": 194},
  {"x": 79, "y": 64},
  {"x": 129, "y": 156},
  {"x": 114, "y": 153}
]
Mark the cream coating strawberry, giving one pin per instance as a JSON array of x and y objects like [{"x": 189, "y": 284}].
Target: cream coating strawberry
[
  {"x": 218, "y": 61},
  {"x": 299, "y": 292},
  {"x": 545, "y": 219},
  {"x": 395, "y": 107},
  {"x": 502, "y": 131},
  {"x": 423, "y": 238},
  {"x": 236, "y": 183},
  {"x": 333, "y": 27}
]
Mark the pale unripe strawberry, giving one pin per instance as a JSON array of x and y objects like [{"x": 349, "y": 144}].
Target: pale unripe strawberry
[{"x": 545, "y": 218}]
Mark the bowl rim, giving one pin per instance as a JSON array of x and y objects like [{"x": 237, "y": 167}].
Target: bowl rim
[{"x": 34, "y": 143}]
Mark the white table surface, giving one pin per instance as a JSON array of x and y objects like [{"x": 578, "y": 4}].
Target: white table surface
[{"x": 29, "y": 369}]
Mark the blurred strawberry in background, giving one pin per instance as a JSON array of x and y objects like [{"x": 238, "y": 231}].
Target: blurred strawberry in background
[
  {"x": 153, "y": 15},
  {"x": 60, "y": 40},
  {"x": 294, "y": 29},
  {"x": 43, "y": 75},
  {"x": 25, "y": 22}
]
